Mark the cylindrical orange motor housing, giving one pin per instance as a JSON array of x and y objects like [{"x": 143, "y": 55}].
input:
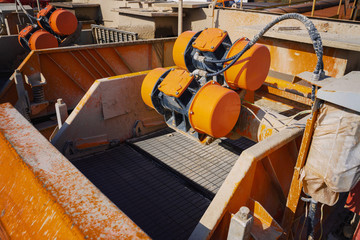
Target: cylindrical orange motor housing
[
  {"x": 33, "y": 38},
  {"x": 250, "y": 71},
  {"x": 179, "y": 48},
  {"x": 214, "y": 110},
  {"x": 42, "y": 39},
  {"x": 63, "y": 22},
  {"x": 149, "y": 83},
  {"x": 57, "y": 21}
]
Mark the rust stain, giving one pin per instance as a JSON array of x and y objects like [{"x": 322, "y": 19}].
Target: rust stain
[{"x": 44, "y": 196}]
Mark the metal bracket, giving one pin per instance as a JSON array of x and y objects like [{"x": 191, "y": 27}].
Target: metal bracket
[
  {"x": 61, "y": 112},
  {"x": 23, "y": 103},
  {"x": 35, "y": 80},
  {"x": 319, "y": 81},
  {"x": 138, "y": 126},
  {"x": 240, "y": 225}
]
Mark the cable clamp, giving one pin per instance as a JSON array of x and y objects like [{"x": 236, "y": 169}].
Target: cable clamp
[
  {"x": 199, "y": 72},
  {"x": 318, "y": 76},
  {"x": 198, "y": 57}
]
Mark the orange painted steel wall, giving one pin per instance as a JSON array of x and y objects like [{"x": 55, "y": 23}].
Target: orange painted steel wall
[
  {"x": 262, "y": 174},
  {"x": 294, "y": 58},
  {"x": 70, "y": 72},
  {"x": 259, "y": 185},
  {"x": 105, "y": 111},
  {"x": 43, "y": 196}
]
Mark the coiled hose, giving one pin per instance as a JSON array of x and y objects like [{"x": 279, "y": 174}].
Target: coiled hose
[{"x": 313, "y": 33}]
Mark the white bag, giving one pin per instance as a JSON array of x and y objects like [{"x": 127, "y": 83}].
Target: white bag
[{"x": 333, "y": 163}]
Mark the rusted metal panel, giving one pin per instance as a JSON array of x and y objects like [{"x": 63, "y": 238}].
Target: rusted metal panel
[
  {"x": 113, "y": 109},
  {"x": 296, "y": 182},
  {"x": 3, "y": 233},
  {"x": 265, "y": 227},
  {"x": 249, "y": 180},
  {"x": 43, "y": 196},
  {"x": 69, "y": 72},
  {"x": 294, "y": 58},
  {"x": 258, "y": 124},
  {"x": 266, "y": 90}
]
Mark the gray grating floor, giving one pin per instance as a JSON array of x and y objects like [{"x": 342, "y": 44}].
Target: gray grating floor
[
  {"x": 163, "y": 181},
  {"x": 163, "y": 205},
  {"x": 205, "y": 165}
]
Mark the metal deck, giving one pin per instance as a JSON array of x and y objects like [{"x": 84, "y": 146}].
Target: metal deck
[
  {"x": 204, "y": 165},
  {"x": 157, "y": 201},
  {"x": 162, "y": 181}
]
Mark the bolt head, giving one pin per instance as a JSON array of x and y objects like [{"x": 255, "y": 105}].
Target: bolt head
[
  {"x": 244, "y": 212},
  {"x": 212, "y": 47},
  {"x": 59, "y": 101},
  {"x": 191, "y": 112},
  {"x": 177, "y": 93},
  {"x": 194, "y": 43}
]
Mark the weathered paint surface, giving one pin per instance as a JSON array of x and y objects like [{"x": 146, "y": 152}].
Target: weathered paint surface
[
  {"x": 43, "y": 196},
  {"x": 251, "y": 178},
  {"x": 70, "y": 72},
  {"x": 112, "y": 108},
  {"x": 296, "y": 182},
  {"x": 256, "y": 124}
]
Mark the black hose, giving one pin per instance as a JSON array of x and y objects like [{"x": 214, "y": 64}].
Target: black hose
[
  {"x": 312, "y": 220},
  {"x": 313, "y": 33}
]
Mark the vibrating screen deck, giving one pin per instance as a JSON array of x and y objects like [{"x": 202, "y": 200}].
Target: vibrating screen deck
[{"x": 163, "y": 181}]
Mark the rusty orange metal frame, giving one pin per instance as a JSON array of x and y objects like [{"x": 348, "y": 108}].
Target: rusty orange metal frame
[
  {"x": 69, "y": 72},
  {"x": 111, "y": 110},
  {"x": 43, "y": 196},
  {"x": 296, "y": 183},
  {"x": 263, "y": 174}
]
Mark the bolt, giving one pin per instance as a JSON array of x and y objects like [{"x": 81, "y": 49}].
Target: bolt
[
  {"x": 213, "y": 82},
  {"x": 191, "y": 112},
  {"x": 194, "y": 43},
  {"x": 159, "y": 86},
  {"x": 177, "y": 93},
  {"x": 60, "y": 101},
  {"x": 212, "y": 47},
  {"x": 244, "y": 213}
]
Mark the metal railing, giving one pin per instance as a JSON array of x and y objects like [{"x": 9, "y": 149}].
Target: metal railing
[{"x": 110, "y": 35}]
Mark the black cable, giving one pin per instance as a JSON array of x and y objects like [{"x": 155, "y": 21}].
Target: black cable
[{"x": 313, "y": 33}]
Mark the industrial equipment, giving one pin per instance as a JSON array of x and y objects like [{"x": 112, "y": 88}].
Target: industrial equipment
[
  {"x": 211, "y": 50},
  {"x": 56, "y": 25},
  {"x": 194, "y": 102},
  {"x": 59, "y": 22},
  {"x": 113, "y": 169},
  {"x": 32, "y": 38},
  {"x": 203, "y": 102}
]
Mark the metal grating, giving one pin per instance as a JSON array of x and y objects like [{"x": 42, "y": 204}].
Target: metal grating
[
  {"x": 205, "y": 165},
  {"x": 157, "y": 201},
  {"x": 109, "y": 35}
]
